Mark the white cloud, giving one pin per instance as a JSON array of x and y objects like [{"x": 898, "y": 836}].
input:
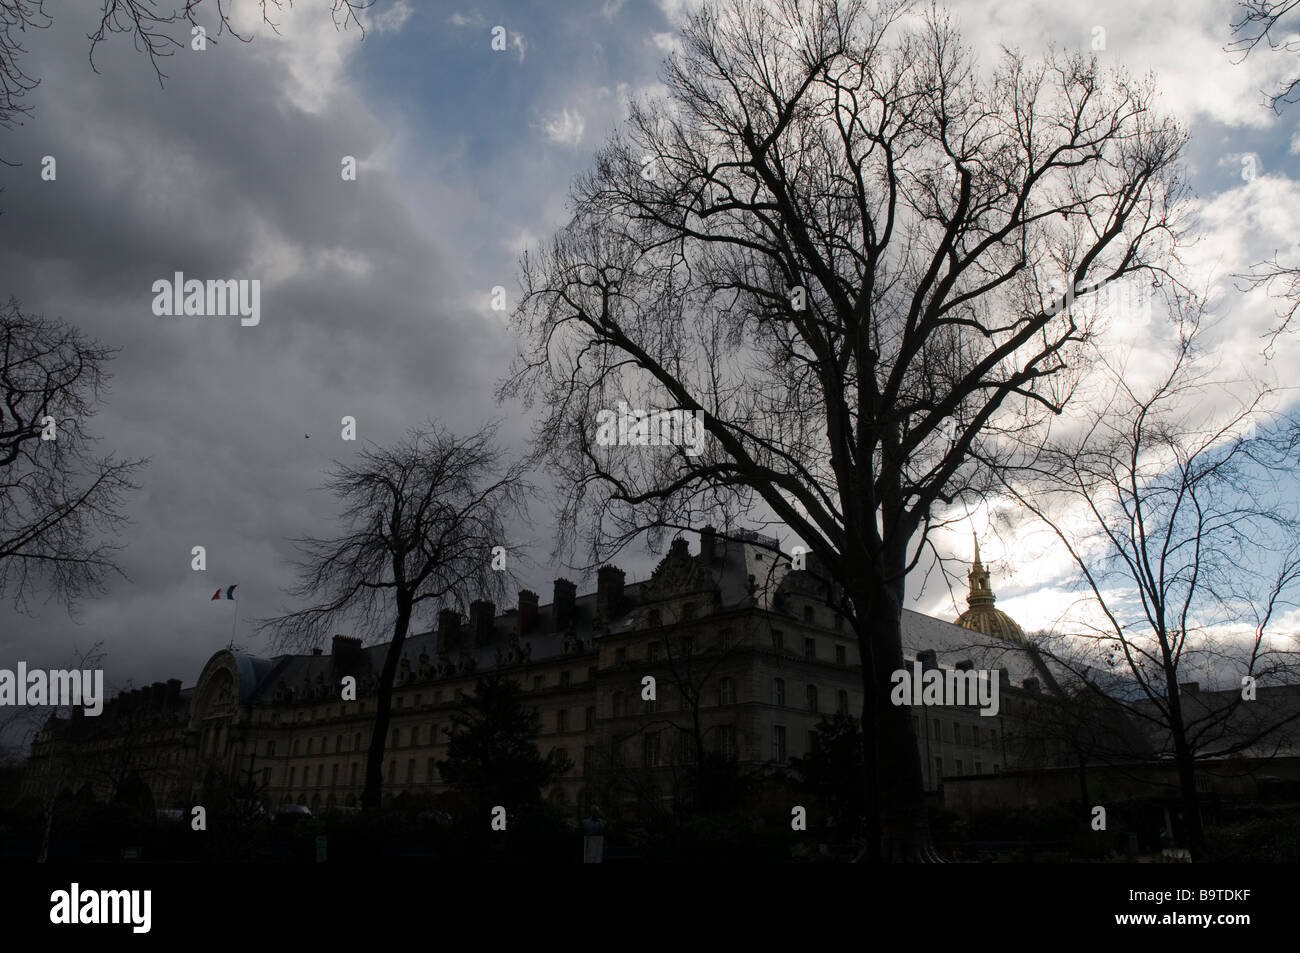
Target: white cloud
[
  {"x": 392, "y": 19},
  {"x": 667, "y": 42},
  {"x": 609, "y": 9},
  {"x": 564, "y": 127},
  {"x": 460, "y": 19}
]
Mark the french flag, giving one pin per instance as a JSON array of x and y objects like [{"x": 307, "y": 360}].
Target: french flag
[{"x": 229, "y": 593}]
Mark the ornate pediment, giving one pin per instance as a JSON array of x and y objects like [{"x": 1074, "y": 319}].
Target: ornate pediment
[{"x": 677, "y": 573}]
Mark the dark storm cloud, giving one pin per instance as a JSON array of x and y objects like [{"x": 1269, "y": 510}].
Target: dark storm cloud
[{"x": 218, "y": 176}]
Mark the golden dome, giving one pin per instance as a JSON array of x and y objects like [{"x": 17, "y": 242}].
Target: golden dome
[{"x": 982, "y": 616}]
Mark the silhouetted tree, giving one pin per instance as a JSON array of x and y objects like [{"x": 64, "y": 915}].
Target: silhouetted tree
[
  {"x": 60, "y": 504},
  {"x": 423, "y": 519},
  {"x": 491, "y": 756},
  {"x": 854, "y": 258},
  {"x": 832, "y": 771}
]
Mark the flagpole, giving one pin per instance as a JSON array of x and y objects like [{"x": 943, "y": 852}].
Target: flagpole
[{"x": 234, "y": 626}]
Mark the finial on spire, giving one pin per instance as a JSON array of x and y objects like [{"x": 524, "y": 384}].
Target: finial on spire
[{"x": 975, "y": 536}]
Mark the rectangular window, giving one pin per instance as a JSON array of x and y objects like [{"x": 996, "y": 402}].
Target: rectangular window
[
  {"x": 778, "y": 640},
  {"x": 959, "y": 766},
  {"x": 974, "y": 734},
  {"x": 562, "y": 720},
  {"x": 430, "y": 771},
  {"x": 650, "y": 750},
  {"x": 392, "y": 771},
  {"x": 841, "y": 654},
  {"x": 270, "y": 749},
  {"x": 352, "y": 775},
  {"x": 778, "y": 691},
  {"x": 808, "y": 613},
  {"x": 538, "y": 682},
  {"x": 727, "y": 691},
  {"x": 727, "y": 741},
  {"x": 938, "y": 769},
  {"x": 810, "y": 648},
  {"x": 338, "y": 744},
  {"x": 842, "y": 702},
  {"x": 310, "y": 744},
  {"x": 292, "y": 772},
  {"x": 979, "y": 767},
  {"x": 778, "y": 744},
  {"x": 839, "y": 622},
  {"x": 397, "y": 733},
  {"x": 956, "y": 732},
  {"x": 356, "y": 741},
  {"x": 266, "y": 777},
  {"x": 652, "y": 652},
  {"x": 564, "y": 679},
  {"x": 295, "y": 746},
  {"x": 320, "y": 775},
  {"x": 935, "y": 726},
  {"x": 591, "y": 717},
  {"x": 811, "y": 695},
  {"x": 588, "y": 760},
  {"x": 334, "y": 775}
]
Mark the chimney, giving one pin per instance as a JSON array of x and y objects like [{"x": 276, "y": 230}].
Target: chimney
[
  {"x": 1032, "y": 685},
  {"x": 928, "y": 658},
  {"x": 317, "y": 651},
  {"x": 708, "y": 545},
  {"x": 527, "y": 609},
  {"x": 448, "y": 632},
  {"x": 566, "y": 593},
  {"x": 482, "y": 616},
  {"x": 609, "y": 591},
  {"x": 346, "y": 654},
  {"x": 157, "y": 696},
  {"x": 173, "y": 692}
]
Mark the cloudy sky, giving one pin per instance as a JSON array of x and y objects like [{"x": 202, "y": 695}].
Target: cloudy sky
[{"x": 376, "y": 293}]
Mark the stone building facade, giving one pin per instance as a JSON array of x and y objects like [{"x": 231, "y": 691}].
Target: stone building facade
[{"x": 746, "y": 654}]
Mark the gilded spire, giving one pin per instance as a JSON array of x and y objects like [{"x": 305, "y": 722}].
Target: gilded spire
[{"x": 982, "y": 616}]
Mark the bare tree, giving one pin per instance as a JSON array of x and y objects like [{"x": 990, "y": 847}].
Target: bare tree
[
  {"x": 152, "y": 29},
  {"x": 1275, "y": 23},
  {"x": 1269, "y": 22},
  {"x": 422, "y": 521},
  {"x": 59, "y": 502},
  {"x": 851, "y": 255},
  {"x": 1173, "y": 512}
]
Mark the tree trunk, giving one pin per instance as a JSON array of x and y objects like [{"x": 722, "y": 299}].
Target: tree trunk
[
  {"x": 897, "y": 826},
  {"x": 1184, "y": 758},
  {"x": 372, "y": 794}
]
